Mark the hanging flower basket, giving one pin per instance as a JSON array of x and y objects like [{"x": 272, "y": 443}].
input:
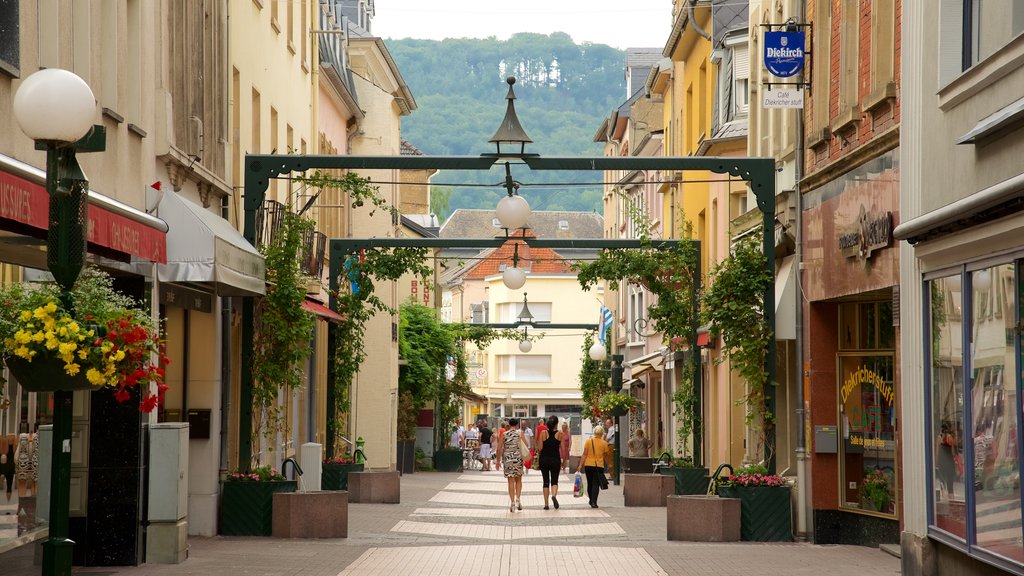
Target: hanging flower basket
[
  {"x": 46, "y": 375},
  {"x": 616, "y": 404}
]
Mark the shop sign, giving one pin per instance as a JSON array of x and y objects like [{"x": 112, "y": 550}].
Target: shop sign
[
  {"x": 784, "y": 98},
  {"x": 871, "y": 232},
  {"x": 29, "y": 203},
  {"x": 783, "y": 53}
]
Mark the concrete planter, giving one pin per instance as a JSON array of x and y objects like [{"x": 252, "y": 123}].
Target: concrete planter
[
  {"x": 703, "y": 519},
  {"x": 374, "y": 487},
  {"x": 647, "y": 489},
  {"x": 310, "y": 514}
]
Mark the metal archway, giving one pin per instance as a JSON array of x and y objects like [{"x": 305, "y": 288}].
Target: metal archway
[{"x": 261, "y": 168}]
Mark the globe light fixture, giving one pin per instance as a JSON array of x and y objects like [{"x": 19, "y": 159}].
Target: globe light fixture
[
  {"x": 514, "y": 278},
  {"x": 513, "y": 212},
  {"x": 54, "y": 105},
  {"x": 982, "y": 280},
  {"x": 525, "y": 346},
  {"x": 598, "y": 352}
]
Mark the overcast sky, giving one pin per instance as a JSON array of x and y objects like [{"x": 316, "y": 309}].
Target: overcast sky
[{"x": 619, "y": 23}]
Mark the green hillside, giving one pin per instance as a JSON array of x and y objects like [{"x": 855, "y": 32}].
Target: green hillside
[{"x": 563, "y": 90}]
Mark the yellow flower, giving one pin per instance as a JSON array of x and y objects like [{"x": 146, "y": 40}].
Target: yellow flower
[
  {"x": 26, "y": 315},
  {"x": 23, "y": 352},
  {"x": 22, "y": 337},
  {"x": 67, "y": 358},
  {"x": 38, "y": 337},
  {"x": 83, "y": 353},
  {"x": 119, "y": 356},
  {"x": 94, "y": 377},
  {"x": 50, "y": 307},
  {"x": 72, "y": 368},
  {"x": 49, "y": 323},
  {"x": 40, "y": 313},
  {"x": 51, "y": 342},
  {"x": 73, "y": 326},
  {"x": 68, "y": 347}
]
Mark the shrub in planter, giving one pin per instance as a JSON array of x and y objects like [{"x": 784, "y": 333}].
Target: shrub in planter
[
  {"x": 766, "y": 512},
  {"x": 334, "y": 475},
  {"x": 247, "y": 504}
]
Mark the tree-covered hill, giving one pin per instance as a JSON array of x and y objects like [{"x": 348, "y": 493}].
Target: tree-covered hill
[{"x": 563, "y": 91}]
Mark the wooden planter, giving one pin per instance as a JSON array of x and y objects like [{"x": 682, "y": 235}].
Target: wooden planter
[
  {"x": 247, "y": 508},
  {"x": 335, "y": 476},
  {"x": 766, "y": 512},
  {"x": 46, "y": 375},
  {"x": 448, "y": 460},
  {"x": 689, "y": 481}
]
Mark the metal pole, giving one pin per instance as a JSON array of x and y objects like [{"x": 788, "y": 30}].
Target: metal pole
[
  {"x": 617, "y": 387},
  {"x": 58, "y": 548}
]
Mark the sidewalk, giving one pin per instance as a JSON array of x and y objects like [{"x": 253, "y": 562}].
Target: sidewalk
[{"x": 450, "y": 524}]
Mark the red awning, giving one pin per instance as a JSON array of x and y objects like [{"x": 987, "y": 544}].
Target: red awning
[
  {"x": 27, "y": 202},
  {"x": 321, "y": 311},
  {"x": 704, "y": 340}
]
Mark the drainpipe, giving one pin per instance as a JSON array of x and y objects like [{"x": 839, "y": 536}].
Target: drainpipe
[
  {"x": 802, "y": 469},
  {"x": 693, "y": 21}
]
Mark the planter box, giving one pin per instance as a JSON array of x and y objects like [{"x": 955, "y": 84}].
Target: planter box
[
  {"x": 689, "y": 481},
  {"x": 310, "y": 514},
  {"x": 405, "y": 453},
  {"x": 46, "y": 375},
  {"x": 647, "y": 489},
  {"x": 247, "y": 507},
  {"x": 703, "y": 519},
  {"x": 643, "y": 465},
  {"x": 335, "y": 476},
  {"x": 374, "y": 487},
  {"x": 448, "y": 460},
  {"x": 766, "y": 512}
]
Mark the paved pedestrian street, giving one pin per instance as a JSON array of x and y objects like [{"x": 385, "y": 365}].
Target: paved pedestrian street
[{"x": 460, "y": 524}]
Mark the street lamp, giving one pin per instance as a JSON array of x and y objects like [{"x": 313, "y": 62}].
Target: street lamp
[
  {"x": 56, "y": 108},
  {"x": 514, "y": 277},
  {"x": 598, "y": 352}
]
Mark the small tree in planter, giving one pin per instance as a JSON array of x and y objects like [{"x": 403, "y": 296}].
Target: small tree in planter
[{"x": 765, "y": 508}]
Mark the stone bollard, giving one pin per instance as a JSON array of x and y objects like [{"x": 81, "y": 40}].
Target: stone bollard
[
  {"x": 311, "y": 514},
  {"x": 647, "y": 489},
  {"x": 374, "y": 487}
]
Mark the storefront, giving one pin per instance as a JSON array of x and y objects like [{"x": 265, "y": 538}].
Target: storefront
[
  {"x": 117, "y": 235},
  {"x": 850, "y": 289}
]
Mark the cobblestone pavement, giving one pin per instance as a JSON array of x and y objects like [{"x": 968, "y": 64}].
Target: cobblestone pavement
[{"x": 453, "y": 524}]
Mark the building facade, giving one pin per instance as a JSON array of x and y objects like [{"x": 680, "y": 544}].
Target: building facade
[{"x": 960, "y": 279}]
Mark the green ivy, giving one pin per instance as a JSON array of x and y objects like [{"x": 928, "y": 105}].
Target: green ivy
[
  {"x": 283, "y": 328},
  {"x": 733, "y": 305}
]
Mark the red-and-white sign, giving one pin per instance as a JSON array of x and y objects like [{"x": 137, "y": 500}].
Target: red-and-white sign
[{"x": 29, "y": 203}]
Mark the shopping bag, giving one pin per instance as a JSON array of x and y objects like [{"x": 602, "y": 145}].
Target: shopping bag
[{"x": 577, "y": 486}]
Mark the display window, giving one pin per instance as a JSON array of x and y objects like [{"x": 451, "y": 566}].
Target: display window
[
  {"x": 867, "y": 408},
  {"x": 974, "y": 378}
]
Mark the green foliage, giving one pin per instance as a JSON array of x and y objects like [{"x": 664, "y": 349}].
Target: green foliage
[
  {"x": 593, "y": 378},
  {"x": 563, "y": 92},
  {"x": 283, "y": 327},
  {"x": 733, "y": 305},
  {"x": 611, "y": 401}
]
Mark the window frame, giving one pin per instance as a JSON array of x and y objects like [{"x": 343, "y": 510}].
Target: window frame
[{"x": 968, "y": 544}]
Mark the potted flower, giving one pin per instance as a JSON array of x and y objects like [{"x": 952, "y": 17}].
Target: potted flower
[
  {"x": 877, "y": 490},
  {"x": 616, "y": 404},
  {"x": 334, "y": 475},
  {"x": 247, "y": 501},
  {"x": 108, "y": 342},
  {"x": 765, "y": 509}
]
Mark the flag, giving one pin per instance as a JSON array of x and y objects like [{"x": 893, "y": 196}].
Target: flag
[{"x": 605, "y": 325}]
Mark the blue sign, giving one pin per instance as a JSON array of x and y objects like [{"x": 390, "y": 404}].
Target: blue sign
[{"x": 783, "y": 53}]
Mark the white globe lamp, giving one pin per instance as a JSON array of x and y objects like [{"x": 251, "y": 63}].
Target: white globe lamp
[
  {"x": 982, "y": 280},
  {"x": 598, "y": 352},
  {"x": 513, "y": 212},
  {"x": 54, "y": 105},
  {"x": 525, "y": 346},
  {"x": 514, "y": 278}
]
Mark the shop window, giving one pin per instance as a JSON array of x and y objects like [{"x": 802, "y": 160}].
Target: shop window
[
  {"x": 974, "y": 390},
  {"x": 868, "y": 419},
  {"x": 866, "y": 326},
  {"x": 947, "y": 404},
  {"x": 993, "y": 412},
  {"x": 10, "y": 39}
]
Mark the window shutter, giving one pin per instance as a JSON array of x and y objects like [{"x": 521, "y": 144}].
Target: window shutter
[{"x": 741, "y": 62}]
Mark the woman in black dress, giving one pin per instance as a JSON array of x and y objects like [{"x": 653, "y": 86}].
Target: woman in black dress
[{"x": 550, "y": 441}]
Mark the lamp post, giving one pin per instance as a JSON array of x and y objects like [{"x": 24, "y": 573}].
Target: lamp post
[
  {"x": 56, "y": 108},
  {"x": 617, "y": 388}
]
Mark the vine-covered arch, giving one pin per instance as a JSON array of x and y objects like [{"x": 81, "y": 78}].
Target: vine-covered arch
[{"x": 260, "y": 169}]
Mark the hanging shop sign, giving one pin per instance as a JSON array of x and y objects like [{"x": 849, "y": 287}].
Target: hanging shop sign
[
  {"x": 783, "y": 53},
  {"x": 782, "y": 98},
  {"x": 871, "y": 231}
]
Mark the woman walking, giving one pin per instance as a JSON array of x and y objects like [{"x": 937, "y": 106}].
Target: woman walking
[
  {"x": 592, "y": 463},
  {"x": 550, "y": 443},
  {"x": 511, "y": 457}
]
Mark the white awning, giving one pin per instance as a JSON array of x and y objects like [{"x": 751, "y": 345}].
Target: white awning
[
  {"x": 547, "y": 396},
  {"x": 659, "y": 353},
  {"x": 203, "y": 247},
  {"x": 785, "y": 300}
]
